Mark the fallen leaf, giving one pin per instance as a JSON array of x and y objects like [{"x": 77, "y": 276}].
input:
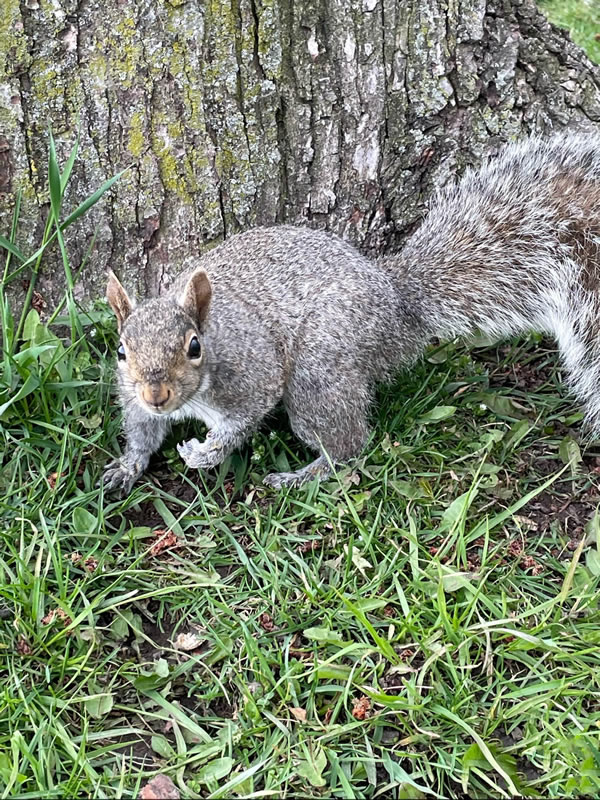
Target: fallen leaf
[
  {"x": 353, "y": 479},
  {"x": 23, "y": 646},
  {"x": 266, "y": 621},
  {"x": 515, "y": 548},
  {"x": 529, "y": 562},
  {"x": 299, "y": 714},
  {"x": 53, "y": 614},
  {"x": 525, "y": 522},
  {"x": 161, "y": 787},
  {"x": 310, "y": 546},
  {"x": 187, "y": 641},
  {"x": 357, "y": 559},
  {"x": 362, "y": 706},
  {"x": 164, "y": 540},
  {"x": 53, "y": 478},
  {"x": 37, "y": 302}
]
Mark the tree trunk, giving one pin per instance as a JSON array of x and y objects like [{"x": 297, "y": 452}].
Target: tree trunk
[{"x": 235, "y": 113}]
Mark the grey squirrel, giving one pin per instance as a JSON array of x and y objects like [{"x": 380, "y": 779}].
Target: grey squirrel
[{"x": 298, "y": 315}]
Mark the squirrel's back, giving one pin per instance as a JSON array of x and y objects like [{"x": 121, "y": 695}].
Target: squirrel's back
[{"x": 309, "y": 287}]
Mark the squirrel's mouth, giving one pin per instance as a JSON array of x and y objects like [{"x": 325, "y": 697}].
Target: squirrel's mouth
[{"x": 157, "y": 398}]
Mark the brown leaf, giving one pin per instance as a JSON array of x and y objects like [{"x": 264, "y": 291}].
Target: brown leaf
[
  {"x": 53, "y": 614},
  {"x": 301, "y": 655},
  {"x": 515, "y": 548},
  {"x": 53, "y": 478},
  {"x": 310, "y": 546},
  {"x": 529, "y": 562},
  {"x": 91, "y": 564},
  {"x": 362, "y": 706},
  {"x": 164, "y": 540},
  {"x": 23, "y": 646},
  {"x": 161, "y": 787},
  {"x": 299, "y": 714},
  {"x": 37, "y": 302},
  {"x": 266, "y": 621}
]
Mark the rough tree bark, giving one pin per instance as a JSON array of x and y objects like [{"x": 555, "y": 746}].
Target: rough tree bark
[{"x": 234, "y": 113}]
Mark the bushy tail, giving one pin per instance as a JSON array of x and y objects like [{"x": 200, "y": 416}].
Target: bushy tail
[{"x": 578, "y": 337}]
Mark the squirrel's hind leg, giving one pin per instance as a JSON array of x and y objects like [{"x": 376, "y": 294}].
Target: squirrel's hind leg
[
  {"x": 319, "y": 468},
  {"x": 330, "y": 418}
]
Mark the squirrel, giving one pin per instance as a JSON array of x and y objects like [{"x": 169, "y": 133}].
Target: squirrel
[{"x": 297, "y": 315}]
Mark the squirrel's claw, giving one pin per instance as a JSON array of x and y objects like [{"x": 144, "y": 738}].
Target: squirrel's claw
[
  {"x": 190, "y": 452},
  {"x": 118, "y": 475},
  {"x": 199, "y": 455}
]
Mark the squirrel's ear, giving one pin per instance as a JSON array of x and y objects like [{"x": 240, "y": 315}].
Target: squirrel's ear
[
  {"x": 118, "y": 299},
  {"x": 195, "y": 298}
]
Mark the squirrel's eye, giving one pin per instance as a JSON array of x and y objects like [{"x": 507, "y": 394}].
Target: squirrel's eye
[
  {"x": 121, "y": 353},
  {"x": 194, "y": 348}
]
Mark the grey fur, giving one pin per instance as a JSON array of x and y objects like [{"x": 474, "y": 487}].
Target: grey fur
[{"x": 298, "y": 315}]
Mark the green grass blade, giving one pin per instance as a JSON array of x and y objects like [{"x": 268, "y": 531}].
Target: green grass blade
[
  {"x": 444, "y": 712},
  {"x": 91, "y": 201},
  {"x": 54, "y": 184},
  {"x": 12, "y": 248},
  {"x": 66, "y": 173},
  {"x": 503, "y": 516}
]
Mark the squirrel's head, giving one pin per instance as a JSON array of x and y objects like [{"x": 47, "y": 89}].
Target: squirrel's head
[{"x": 161, "y": 354}]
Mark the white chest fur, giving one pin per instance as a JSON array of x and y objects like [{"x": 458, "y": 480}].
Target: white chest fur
[{"x": 198, "y": 408}]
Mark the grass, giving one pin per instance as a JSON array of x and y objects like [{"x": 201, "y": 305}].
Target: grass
[
  {"x": 425, "y": 624},
  {"x": 386, "y": 631}
]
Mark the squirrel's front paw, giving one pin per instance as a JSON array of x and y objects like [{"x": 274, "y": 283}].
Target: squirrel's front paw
[
  {"x": 120, "y": 475},
  {"x": 203, "y": 455}
]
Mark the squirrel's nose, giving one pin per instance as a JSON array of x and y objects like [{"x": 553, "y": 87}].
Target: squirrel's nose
[{"x": 156, "y": 394}]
